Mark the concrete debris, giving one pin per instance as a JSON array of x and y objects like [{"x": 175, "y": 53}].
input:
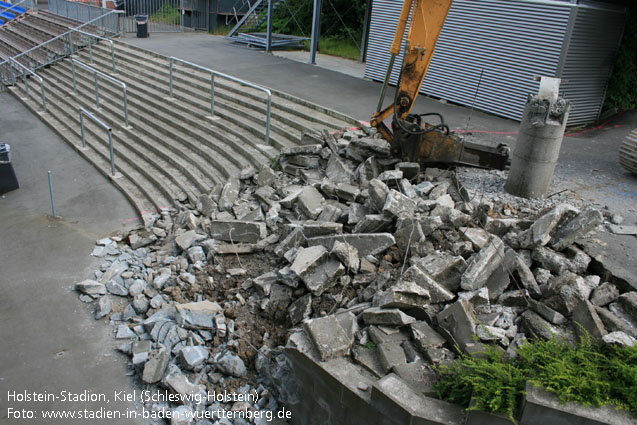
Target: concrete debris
[{"x": 378, "y": 265}]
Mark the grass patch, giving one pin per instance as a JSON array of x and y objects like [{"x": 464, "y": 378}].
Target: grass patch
[
  {"x": 336, "y": 46},
  {"x": 591, "y": 374},
  {"x": 222, "y": 30}
]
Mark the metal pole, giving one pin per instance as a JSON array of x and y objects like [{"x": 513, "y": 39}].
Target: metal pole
[
  {"x": 97, "y": 94},
  {"x": 113, "y": 56},
  {"x": 384, "y": 87},
  {"x": 82, "y": 129},
  {"x": 268, "y": 47},
  {"x": 53, "y": 212},
  {"x": 368, "y": 10},
  {"x": 125, "y": 108},
  {"x": 316, "y": 30},
  {"x": 267, "y": 121},
  {"x": 212, "y": 95},
  {"x": 26, "y": 84},
  {"x": 90, "y": 49},
  {"x": 110, "y": 147},
  {"x": 170, "y": 77},
  {"x": 73, "y": 72}
]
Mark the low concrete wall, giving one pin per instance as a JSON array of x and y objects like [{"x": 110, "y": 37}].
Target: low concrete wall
[{"x": 339, "y": 392}]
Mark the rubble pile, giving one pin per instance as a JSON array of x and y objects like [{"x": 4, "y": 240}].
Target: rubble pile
[{"x": 351, "y": 253}]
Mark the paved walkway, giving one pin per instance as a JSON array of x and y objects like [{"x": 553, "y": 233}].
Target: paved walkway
[{"x": 50, "y": 342}]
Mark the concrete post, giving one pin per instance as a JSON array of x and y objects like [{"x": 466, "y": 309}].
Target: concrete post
[{"x": 539, "y": 141}]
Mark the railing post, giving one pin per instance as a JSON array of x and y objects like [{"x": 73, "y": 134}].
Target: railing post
[
  {"x": 53, "y": 212},
  {"x": 113, "y": 56},
  {"x": 73, "y": 72},
  {"x": 267, "y": 120},
  {"x": 82, "y": 129},
  {"x": 26, "y": 84},
  {"x": 125, "y": 107},
  {"x": 97, "y": 91},
  {"x": 90, "y": 49},
  {"x": 110, "y": 148},
  {"x": 212, "y": 95},
  {"x": 170, "y": 77}
]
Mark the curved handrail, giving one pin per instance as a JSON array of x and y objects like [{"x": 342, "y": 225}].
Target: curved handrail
[
  {"x": 26, "y": 84},
  {"x": 109, "y": 131},
  {"x": 97, "y": 73},
  {"x": 212, "y": 89},
  {"x": 98, "y": 38}
]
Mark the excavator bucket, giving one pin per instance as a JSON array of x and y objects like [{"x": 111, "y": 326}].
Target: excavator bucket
[{"x": 439, "y": 148}]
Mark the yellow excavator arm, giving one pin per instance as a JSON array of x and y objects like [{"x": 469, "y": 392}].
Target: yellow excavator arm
[{"x": 410, "y": 139}]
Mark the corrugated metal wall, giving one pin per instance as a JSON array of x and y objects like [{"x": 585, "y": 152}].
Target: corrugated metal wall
[
  {"x": 508, "y": 42},
  {"x": 588, "y": 60}
]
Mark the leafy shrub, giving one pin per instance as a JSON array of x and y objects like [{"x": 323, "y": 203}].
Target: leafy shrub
[{"x": 592, "y": 374}]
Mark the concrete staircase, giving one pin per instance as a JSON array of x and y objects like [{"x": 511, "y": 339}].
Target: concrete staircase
[{"x": 173, "y": 150}]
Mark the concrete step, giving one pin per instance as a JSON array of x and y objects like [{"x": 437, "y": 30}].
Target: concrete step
[
  {"x": 197, "y": 133},
  {"x": 212, "y": 168},
  {"x": 231, "y": 139},
  {"x": 301, "y": 109},
  {"x": 64, "y": 108},
  {"x": 160, "y": 166},
  {"x": 131, "y": 183},
  {"x": 58, "y": 19}
]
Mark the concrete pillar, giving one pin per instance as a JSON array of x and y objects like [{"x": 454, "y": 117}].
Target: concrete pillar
[{"x": 539, "y": 141}]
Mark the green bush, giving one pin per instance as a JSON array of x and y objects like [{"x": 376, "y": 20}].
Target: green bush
[
  {"x": 592, "y": 374},
  {"x": 167, "y": 14}
]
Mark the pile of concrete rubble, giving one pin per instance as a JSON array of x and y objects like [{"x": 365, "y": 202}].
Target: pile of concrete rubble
[{"x": 364, "y": 256}]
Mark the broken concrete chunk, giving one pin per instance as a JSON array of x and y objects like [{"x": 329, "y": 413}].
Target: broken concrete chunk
[
  {"x": 551, "y": 260},
  {"x": 566, "y": 292},
  {"x": 390, "y": 356},
  {"x": 444, "y": 268},
  {"x": 197, "y": 315},
  {"x": 300, "y": 309},
  {"x": 547, "y": 313},
  {"x": 628, "y": 303},
  {"x": 91, "y": 287},
  {"x": 403, "y": 295},
  {"x": 378, "y": 192},
  {"x": 187, "y": 239},
  {"x": 430, "y": 224},
  {"x": 373, "y": 223},
  {"x": 619, "y": 338},
  {"x": 229, "y": 194},
  {"x": 193, "y": 358},
  {"x": 362, "y": 148},
  {"x": 316, "y": 269},
  {"x": 580, "y": 225},
  {"x": 104, "y": 307},
  {"x": 396, "y": 204},
  {"x": 539, "y": 234},
  {"x": 425, "y": 337},
  {"x": 478, "y": 237},
  {"x": 295, "y": 238},
  {"x": 231, "y": 364},
  {"x": 388, "y": 317},
  {"x": 155, "y": 366},
  {"x": 437, "y": 292},
  {"x": 311, "y": 202},
  {"x": 483, "y": 265},
  {"x": 348, "y": 256},
  {"x": 585, "y": 317},
  {"x": 458, "y": 320},
  {"x": 527, "y": 279},
  {"x": 238, "y": 231},
  {"x": 537, "y": 327},
  {"x": 328, "y": 336},
  {"x": 366, "y": 244}
]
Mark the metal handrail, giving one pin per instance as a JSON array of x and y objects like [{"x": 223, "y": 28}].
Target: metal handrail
[
  {"x": 26, "y": 83},
  {"x": 66, "y": 34},
  {"x": 97, "y": 73},
  {"x": 212, "y": 89},
  {"x": 90, "y": 49},
  {"x": 109, "y": 131},
  {"x": 12, "y": 6}
]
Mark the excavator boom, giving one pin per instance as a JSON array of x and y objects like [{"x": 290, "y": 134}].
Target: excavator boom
[{"x": 410, "y": 139}]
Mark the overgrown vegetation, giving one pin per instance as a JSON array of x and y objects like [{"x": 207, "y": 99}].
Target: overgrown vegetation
[
  {"x": 341, "y": 24},
  {"x": 167, "y": 14},
  {"x": 592, "y": 374},
  {"x": 622, "y": 86}
]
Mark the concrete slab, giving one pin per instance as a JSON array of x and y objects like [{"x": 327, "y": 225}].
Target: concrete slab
[{"x": 50, "y": 342}]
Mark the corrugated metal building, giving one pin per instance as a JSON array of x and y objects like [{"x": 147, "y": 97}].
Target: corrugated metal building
[{"x": 490, "y": 50}]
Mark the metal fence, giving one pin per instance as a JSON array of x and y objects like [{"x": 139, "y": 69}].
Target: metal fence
[
  {"x": 85, "y": 12},
  {"x": 163, "y": 15}
]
